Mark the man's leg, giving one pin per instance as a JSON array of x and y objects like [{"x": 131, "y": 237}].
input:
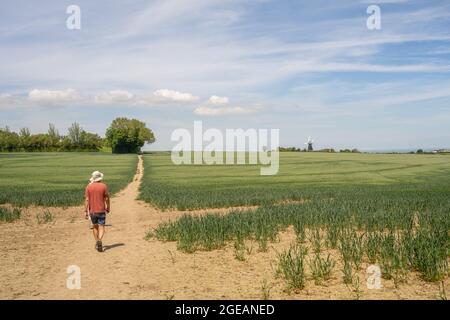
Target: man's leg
[
  {"x": 96, "y": 232},
  {"x": 101, "y": 232}
]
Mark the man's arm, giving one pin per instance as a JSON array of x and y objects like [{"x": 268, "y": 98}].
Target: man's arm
[
  {"x": 107, "y": 200},
  {"x": 108, "y": 203},
  {"x": 86, "y": 204}
]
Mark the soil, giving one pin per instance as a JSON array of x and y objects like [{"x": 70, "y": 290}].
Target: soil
[{"x": 35, "y": 257}]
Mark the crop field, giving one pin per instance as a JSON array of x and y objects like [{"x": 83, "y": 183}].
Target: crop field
[
  {"x": 352, "y": 211},
  {"x": 401, "y": 235},
  {"x": 301, "y": 176},
  {"x": 59, "y": 179},
  {"x": 326, "y": 223}
]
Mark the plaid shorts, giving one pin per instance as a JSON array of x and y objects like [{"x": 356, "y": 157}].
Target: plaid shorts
[{"x": 98, "y": 218}]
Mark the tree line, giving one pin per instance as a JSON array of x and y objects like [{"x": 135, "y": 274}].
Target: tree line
[
  {"x": 123, "y": 136},
  {"x": 76, "y": 139},
  {"x": 328, "y": 150}
]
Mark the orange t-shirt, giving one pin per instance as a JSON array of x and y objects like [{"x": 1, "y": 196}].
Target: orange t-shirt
[{"x": 96, "y": 193}]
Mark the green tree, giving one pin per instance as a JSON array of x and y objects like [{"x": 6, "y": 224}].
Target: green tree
[
  {"x": 24, "y": 138},
  {"x": 74, "y": 135},
  {"x": 25, "y": 133},
  {"x": 54, "y": 136},
  {"x": 9, "y": 141},
  {"x": 66, "y": 144},
  {"x": 128, "y": 135},
  {"x": 40, "y": 142},
  {"x": 91, "y": 141},
  {"x": 86, "y": 141}
]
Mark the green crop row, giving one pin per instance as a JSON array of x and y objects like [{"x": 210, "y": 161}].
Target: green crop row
[{"x": 398, "y": 235}]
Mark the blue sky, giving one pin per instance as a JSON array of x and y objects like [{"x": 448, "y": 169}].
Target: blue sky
[{"x": 304, "y": 67}]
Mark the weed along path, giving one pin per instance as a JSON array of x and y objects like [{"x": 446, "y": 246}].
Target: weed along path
[{"x": 35, "y": 259}]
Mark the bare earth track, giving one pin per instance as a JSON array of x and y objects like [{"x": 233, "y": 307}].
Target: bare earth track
[{"x": 34, "y": 259}]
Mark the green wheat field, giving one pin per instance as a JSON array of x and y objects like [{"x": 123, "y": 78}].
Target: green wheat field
[
  {"x": 392, "y": 210},
  {"x": 389, "y": 210},
  {"x": 301, "y": 176},
  {"x": 59, "y": 179}
]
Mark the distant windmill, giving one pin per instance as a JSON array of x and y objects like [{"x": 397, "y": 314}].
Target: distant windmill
[{"x": 309, "y": 143}]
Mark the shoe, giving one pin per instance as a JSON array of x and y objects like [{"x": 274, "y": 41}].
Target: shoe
[{"x": 99, "y": 246}]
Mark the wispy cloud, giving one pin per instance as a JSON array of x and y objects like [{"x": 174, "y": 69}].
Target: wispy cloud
[
  {"x": 220, "y": 106},
  {"x": 300, "y": 59},
  {"x": 224, "y": 111}
]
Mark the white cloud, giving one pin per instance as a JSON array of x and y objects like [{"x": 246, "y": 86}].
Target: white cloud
[
  {"x": 52, "y": 96},
  {"x": 223, "y": 111},
  {"x": 314, "y": 67},
  {"x": 168, "y": 13},
  {"x": 219, "y": 106},
  {"x": 113, "y": 97},
  {"x": 174, "y": 96},
  {"x": 215, "y": 100},
  {"x": 423, "y": 94}
]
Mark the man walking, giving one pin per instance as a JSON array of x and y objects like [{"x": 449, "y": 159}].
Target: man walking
[{"x": 97, "y": 204}]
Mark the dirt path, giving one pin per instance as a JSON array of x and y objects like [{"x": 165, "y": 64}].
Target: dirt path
[{"x": 34, "y": 259}]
